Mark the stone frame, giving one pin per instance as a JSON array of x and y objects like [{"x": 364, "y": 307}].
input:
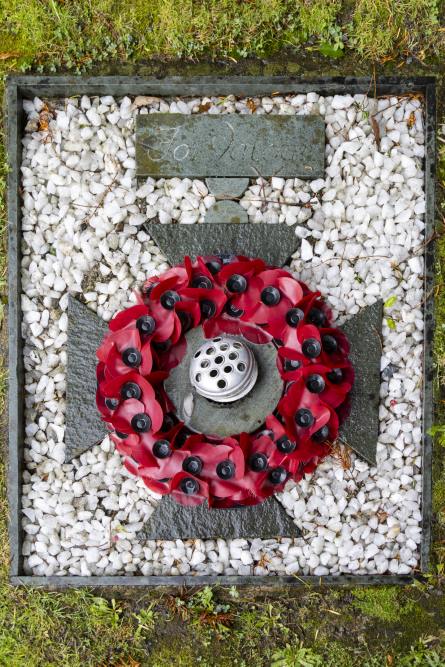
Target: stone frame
[{"x": 19, "y": 87}]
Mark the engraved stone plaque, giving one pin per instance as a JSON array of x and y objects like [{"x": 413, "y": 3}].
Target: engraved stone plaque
[{"x": 200, "y": 146}]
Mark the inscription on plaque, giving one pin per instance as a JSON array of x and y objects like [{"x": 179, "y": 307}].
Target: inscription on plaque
[{"x": 201, "y": 146}]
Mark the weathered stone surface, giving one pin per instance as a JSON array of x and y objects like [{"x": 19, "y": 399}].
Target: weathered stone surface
[
  {"x": 205, "y": 145},
  {"x": 225, "y": 419},
  {"x": 226, "y": 211},
  {"x": 227, "y": 187},
  {"x": 171, "y": 521},
  {"x": 84, "y": 427},
  {"x": 273, "y": 243},
  {"x": 360, "y": 431}
]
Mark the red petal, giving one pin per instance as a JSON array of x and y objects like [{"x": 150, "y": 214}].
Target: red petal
[
  {"x": 114, "y": 365},
  {"x": 130, "y": 466},
  {"x": 126, "y": 338},
  {"x": 167, "y": 467},
  {"x": 158, "y": 487},
  {"x": 147, "y": 359},
  {"x": 127, "y": 316},
  {"x": 263, "y": 314},
  {"x": 189, "y": 499},
  {"x": 165, "y": 322},
  {"x": 105, "y": 347},
  {"x": 170, "y": 358},
  {"x": 291, "y": 288},
  {"x": 174, "y": 279},
  {"x": 192, "y": 308}
]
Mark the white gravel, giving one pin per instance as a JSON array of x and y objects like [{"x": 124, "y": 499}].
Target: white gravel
[{"x": 363, "y": 231}]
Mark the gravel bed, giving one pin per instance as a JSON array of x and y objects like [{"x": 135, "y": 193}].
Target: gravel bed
[{"x": 362, "y": 229}]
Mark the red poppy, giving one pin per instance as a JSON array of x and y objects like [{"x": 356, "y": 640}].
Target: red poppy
[
  {"x": 299, "y": 452},
  {"x": 162, "y": 297},
  {"x": 262, "y": 457},
  {"x": 304, "y": 413},
  {"x": 237, "y": 279},
  {"x": 271, "y": 295},
  {"x": 137, "y": 447},
  {"x": 189, "y": 490},
  {"x": 308, "y": 310},
  {"x": 222, "y": 464},
  {"x": 211, "y": 301},
  {"x": 137, "y": 410}
]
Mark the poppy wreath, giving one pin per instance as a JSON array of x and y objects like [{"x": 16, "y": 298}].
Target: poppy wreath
[{"x": 237, "y": 296}]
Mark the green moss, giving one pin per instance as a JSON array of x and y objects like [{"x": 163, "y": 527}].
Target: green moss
[
  {"x": 384, "y": 603},
  {"x": 182, "y": 656},
  {"x": 439, "y": 499},
  {"x": 72, "y": 629}
]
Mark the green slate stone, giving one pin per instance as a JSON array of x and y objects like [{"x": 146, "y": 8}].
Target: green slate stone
[
  {"x": 361, "y": 430},
  {"x": 226, "y": 211},
  {"x": 84, "y": 427},
  {"x": 206, "y": 145},
  {"x": 227, "y": 187},
  {"x": 172, "y": 521},
  {"x": 273, "y": 243}
]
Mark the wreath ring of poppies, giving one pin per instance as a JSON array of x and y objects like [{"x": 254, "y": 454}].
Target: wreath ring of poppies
[{"x": 236, "y": 296}]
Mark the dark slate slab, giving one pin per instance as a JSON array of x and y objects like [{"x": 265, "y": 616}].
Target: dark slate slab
[
  {"x": 227, "y": 187},
  {"x": 226, "y": 211},
  {"x": 273, "y": 243},
  {"x": 206, "y": 145},
  {"x": 360, "y": 431},
  {"x": 225, "y": 419},
  {"x": 84, "y": 427},
  {"x": 171, "y": 521}
]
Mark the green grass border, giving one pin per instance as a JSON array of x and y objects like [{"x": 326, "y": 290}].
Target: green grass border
[{"x": 369, "y": 627}]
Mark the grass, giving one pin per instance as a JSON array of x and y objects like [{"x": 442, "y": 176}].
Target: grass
[
  {"x": 381, "y": 627},
  {"x": 383, "y": 28},
  {"x": 49, "y": 34}
]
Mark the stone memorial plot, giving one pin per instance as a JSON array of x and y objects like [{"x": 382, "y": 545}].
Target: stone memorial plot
[{"x": 220, "y": 331}]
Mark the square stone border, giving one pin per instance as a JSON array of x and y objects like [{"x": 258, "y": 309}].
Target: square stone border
[{"x": 30, "y": 86}]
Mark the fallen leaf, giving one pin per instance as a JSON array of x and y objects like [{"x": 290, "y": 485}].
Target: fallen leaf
[
  {"x": 412, "y": 119},
  {"x": 45, "y": 117},
  {"x": 264, "y": 559},
  {"x": 251, "y": 105},
  {"x": 376, "y": 130},
  {"x": 342, "y": 454},
  {"x": 382, "y": 516},
  {"x": 144, "y": 100},
  {"x": 390, "y": 302},
  {"x": 8, "y": 54},
  {"x": 44, "y": 120},
  {"x": 204, "y": 107}
]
